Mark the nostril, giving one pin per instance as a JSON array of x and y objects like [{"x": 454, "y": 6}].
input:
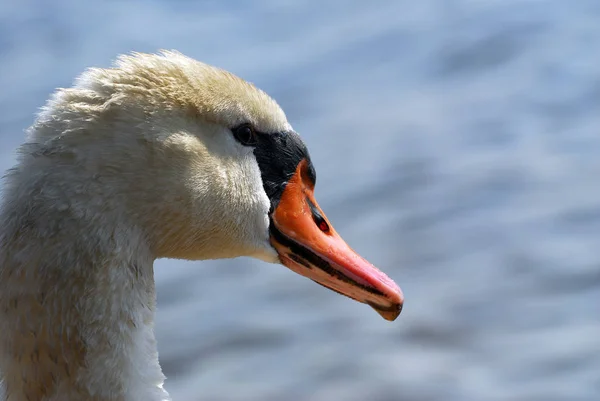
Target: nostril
[
  {"x": 323, "y": 226},
  {"x": 317, "y": 217}
]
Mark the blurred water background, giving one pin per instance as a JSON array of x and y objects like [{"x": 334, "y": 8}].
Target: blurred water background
[{"x": 457, "y": 144}]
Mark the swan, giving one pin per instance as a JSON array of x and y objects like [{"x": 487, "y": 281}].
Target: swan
[{"x": 159, "y": 156}]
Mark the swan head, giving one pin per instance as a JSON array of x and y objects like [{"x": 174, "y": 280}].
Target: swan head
[{"x": 206, "y": 165}]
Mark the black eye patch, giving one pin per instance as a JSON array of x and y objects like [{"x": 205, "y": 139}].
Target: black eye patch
[{"x": 278, "y": 156}]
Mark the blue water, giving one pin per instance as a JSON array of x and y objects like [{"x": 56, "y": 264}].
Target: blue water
[{"x": 457, "y": 144}]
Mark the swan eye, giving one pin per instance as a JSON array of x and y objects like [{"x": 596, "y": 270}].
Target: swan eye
[{"x": 245, "y": 135}]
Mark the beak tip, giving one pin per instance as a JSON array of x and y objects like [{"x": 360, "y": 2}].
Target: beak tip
[{"x": 389, "y": 313}]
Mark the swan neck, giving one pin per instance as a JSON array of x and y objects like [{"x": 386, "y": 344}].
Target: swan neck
[{"x": 77, "y": 314}]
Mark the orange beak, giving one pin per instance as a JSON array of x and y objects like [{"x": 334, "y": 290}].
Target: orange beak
[{"x": 308, "y": 245}]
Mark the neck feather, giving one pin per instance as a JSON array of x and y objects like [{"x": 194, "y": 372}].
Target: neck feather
[{"x": 76, "y": 309}]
